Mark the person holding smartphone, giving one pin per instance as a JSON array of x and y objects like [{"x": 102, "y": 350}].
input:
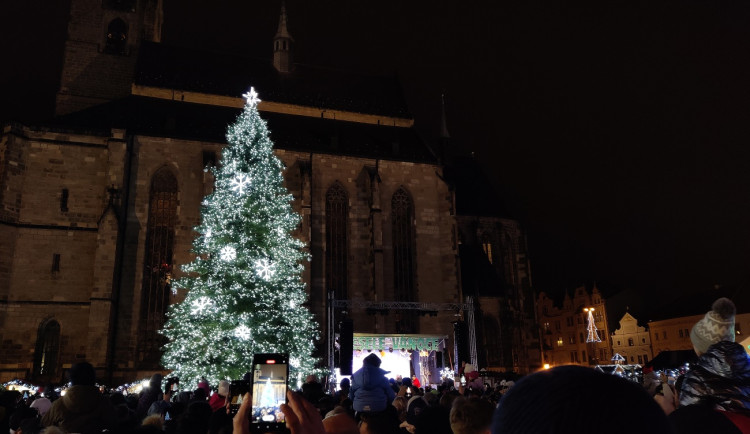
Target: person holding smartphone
[{"x": 301, "y": 416}]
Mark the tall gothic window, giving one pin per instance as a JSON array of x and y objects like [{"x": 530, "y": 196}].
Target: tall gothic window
[
  {"x": 117, "y": 37},
  {"x": 337, "y": 210},
  {"x": 158, "y": 262},
  {"x": 487, "y": 246},
  {"x": 404, "y": 289},
  {"x": 47, "y": 349}
]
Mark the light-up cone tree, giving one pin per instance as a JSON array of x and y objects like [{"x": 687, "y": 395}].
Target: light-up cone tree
[{"x": 244, "y": 291}]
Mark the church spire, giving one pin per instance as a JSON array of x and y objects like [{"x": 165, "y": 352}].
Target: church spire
[{"x": 282, "y": 44}]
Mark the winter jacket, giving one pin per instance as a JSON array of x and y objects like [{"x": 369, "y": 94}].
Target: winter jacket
[
  {"x": 721, "y": 378},
  {"x": 83, "y": 409},
  {"x": 371, "y": 391}
]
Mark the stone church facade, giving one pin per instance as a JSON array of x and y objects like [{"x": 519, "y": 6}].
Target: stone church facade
[{"x": 98, "y": 206}]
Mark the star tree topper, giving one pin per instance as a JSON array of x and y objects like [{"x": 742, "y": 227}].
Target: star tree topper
[{"x": 251, "y": 97}]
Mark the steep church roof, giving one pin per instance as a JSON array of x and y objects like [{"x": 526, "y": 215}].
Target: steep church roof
[{"x": 214, "y": 73}]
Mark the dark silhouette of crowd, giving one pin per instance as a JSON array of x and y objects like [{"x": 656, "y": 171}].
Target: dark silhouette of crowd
[{"x": 712, "y": 397}]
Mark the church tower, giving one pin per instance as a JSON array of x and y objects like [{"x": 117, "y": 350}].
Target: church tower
[
  {"x": 282, "y": 45},
  {"x": 101, "y": 49}
]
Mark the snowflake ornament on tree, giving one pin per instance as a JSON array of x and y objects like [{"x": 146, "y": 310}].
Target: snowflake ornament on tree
[
  {"x": 264, "y": 269},
  {"x": 228, "y": 253},
  {"x": 200, "y": 305},
  {"x": 243, "y": 332},
  {"x": 240, "y": 183}
]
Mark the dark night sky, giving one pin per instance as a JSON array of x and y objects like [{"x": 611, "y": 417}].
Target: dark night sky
[{"x": 616, "y": 131}]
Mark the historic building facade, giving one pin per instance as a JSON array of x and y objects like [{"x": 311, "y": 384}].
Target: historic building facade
[
  {"x": 564, "y": 329},
  {"x": 97, "y": 207},
  {"x": 632, "y": 341}
]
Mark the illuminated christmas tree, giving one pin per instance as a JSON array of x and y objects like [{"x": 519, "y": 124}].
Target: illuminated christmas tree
[{"x": 244, "y": 291}]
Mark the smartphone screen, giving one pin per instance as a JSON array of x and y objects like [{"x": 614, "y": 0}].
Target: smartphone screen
[{"x": 270, "y": 372}]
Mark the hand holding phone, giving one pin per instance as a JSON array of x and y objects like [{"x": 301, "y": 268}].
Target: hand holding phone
[
  {"x": 270, "y": 378},
  {"x": 301, "y": 416}
]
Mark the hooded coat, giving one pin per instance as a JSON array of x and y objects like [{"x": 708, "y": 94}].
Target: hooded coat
[
  {"x": 83, "y": 409},
  {"x": 721, "y": 378},
  {"x": 371, "y": 391}
]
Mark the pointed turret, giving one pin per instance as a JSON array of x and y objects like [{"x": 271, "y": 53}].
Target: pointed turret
[{"x": 282, "y": 44}]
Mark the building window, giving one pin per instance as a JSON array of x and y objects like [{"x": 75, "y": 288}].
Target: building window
[
  {"x": 680, "y": 331},
  {"x": 630, "y": 342},
  {"x": 687, "y": 333},
  {"x": 656, "y": 335},
  {"x": 560, "y": 341},
  {"x": 664, "y": 334},
  {"x": 487, "y": 247},
  {"x": 572, "y": 339},
  {"x": 645, "y": 359},
  {"x": 155, "y": 292},
  {"x": 55, "y": 262},
  {"x": 640, "y": 359},
  {"x": 557, "y": 326},
  {"x": 573, "y": 355},
  {"x": 402, "y": 229},
  {"x": 117, "y": 37},
  {"x": 47, "y": 349},
  {"x": 618, "y": 343},
  {"x": 580, "y": 335},
  {"x": 569, "y": 321},
  {"x": 337, "y": 212},
  {"x": 643, "y": 340},
  {"x": 64, "y": 200}
]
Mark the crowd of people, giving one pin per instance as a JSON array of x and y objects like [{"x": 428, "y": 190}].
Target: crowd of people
[{"x": 713, "y": 397}]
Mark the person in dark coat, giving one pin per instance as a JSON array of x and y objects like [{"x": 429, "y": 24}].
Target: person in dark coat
[
  {"x": 715, "y": 393},
  {"x": 150, "y": 395},
  {"x": 83, "y": 409},
  {"x": 371, "y": 391},
  {"x": 722, "y": 374}
]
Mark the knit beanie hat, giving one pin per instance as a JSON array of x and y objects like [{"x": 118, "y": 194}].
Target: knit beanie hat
[{"x": 716, "y": 326}]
